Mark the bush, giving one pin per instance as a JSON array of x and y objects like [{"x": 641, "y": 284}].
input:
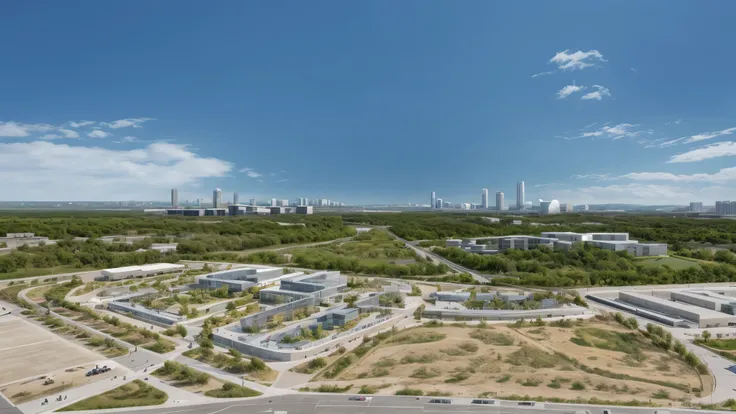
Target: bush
[
  {"x": 317, "y": 363},
  {"x": 578, "y": 386},
  {"x": 409, "y": 391}
]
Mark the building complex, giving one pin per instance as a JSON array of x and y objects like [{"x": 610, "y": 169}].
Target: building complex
[{"x": 560, "y": 241}]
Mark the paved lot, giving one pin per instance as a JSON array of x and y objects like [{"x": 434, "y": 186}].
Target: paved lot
[{"x": 28, "y": 350}]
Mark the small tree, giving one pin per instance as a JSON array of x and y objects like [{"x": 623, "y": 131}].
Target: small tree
[
  {"x": 706, "y": 336},
  {"x": 181, "y": 330}
]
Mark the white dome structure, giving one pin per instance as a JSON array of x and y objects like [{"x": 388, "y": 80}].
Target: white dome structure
[{"x": 549, "y": 207}]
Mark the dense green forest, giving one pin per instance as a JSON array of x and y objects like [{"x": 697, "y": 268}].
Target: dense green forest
[
  {"x": 667, "y": 229},
  {"x": 196, "y": 238},
  {"x": 586, "y": 265},
  {"x": 374, "y": 252}
]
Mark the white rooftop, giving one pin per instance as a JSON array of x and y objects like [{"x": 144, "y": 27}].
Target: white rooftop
[{"x": 145, "y": 268}]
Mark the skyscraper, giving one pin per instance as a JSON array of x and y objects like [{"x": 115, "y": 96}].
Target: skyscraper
[
  {"x": 433, "y": 200},
  {"x": 235, "y": 198},
  {"x": 217, "y": 198},
  {"x": 499, "y": 201},
  {"x": 438, "y": 203},
  {"x": 253, "y": 201},
  {"x": 484, "y": 199},
  {"x": 174, "y": 198},
  {"x": 696, "y": 207},
  {"x": 274, "y": 202},
  {"x": 520, "y": 198}
]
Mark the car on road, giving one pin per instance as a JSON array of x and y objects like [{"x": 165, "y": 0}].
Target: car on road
[
  {"x": 357, "y": 398},
  {"x": 483, "y": 402},
  {"x": 527, "y": 403},
  {"x": 607, "y": 412},
  {"x": 440, "y": 401}
]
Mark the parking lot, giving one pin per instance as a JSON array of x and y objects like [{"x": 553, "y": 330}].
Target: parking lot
[{"x": 27, "y": 350}]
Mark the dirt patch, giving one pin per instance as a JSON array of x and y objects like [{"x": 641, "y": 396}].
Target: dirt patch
[
  {"x": 588, "y": 360},
  {"x": 27, "y": 350},
  {"x": 53, "y": 383}
]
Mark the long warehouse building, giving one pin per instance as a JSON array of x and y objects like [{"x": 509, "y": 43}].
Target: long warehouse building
[
  {"x": 705, "y": 318},
  {"x": 707, "y": 299}
]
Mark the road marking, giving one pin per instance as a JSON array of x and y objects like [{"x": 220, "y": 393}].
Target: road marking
[
  {"x": 375, "y": 406},
  {"x": 223, "y": 409},
  {"x": 178, "y": 411},
  {"x": 34, "y": 343}
]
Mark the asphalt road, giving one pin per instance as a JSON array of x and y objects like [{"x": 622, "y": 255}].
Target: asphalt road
[{"x": 339, "y": 404}]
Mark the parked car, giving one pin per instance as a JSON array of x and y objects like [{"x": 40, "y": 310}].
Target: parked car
[
  {"x": 440, "y": 401},
  {"x": 483, "y": 402},
  {"x": 357, "y": 398}
]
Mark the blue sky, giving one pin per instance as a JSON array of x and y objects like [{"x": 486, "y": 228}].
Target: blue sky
[{"x": 363, "y": 102}]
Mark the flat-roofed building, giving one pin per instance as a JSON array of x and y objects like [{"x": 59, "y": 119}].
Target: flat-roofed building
[
  {"x": 240, "y": 279},
  {"x": 705, "y": 318},
  {"x": 145, "y": 270},
  {"x": 707, "y": 299}
]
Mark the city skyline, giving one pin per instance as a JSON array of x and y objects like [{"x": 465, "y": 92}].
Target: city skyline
[{"x": 588, "y": 119}]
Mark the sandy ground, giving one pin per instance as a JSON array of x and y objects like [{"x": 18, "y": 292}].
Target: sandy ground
[
  {"x": 28, "y": 350},
  {"x": 34, "y": 388},
  {"x": 487, "y": 370}
]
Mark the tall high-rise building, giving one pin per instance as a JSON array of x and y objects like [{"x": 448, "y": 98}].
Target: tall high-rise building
[
  {"x": 520, "y": 197},
  {"x": 433, "y": 200},
  {"x": 696, "y": 207},
  {"x": 484, "y": 198},
  {"x": 253, "y": 201},
  {"x": 438, "y": 203},
  {"x": 235, "y": 198},
  {"x": 217, "y": 198},
  {"x": 499, "y": 201},
  {"x": 174, "y": 198},
  {"x": 284, "y": 203},
  {"x": 274, "y": 202}
]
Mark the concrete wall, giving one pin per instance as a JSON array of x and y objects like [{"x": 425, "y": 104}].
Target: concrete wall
[
  {"x": 500, "y": 315},
  {"x": 697, "y": 300}
]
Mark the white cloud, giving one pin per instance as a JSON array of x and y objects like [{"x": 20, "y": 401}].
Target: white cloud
[
  {"x": 68, "y": 133},
  {"x": 17, "y": 130},
  {"x": 569, "y": 90},
  {"x": 601, "y": 177},
  {"x": 678, "y": 122},
  {"x": 677, "y": 193},
  {"x": 542, "y": 74},
  {"x": 129, "y": 139},
  {"x": 41, "y": 170},
  {"x": 281, "y": 180},
  {"x": 709, "y": 135},
  {"x": 723, "y": 175},
  {"x": 79, "y": 124},
  {"x": 51, "y": 136},
  {"x": 98, "y": 133},
  {"x": 577, "y": 60},
  {"x": 634, "y": 69},
  {"x": 127, "y": 122},
  {"x": 721, "y": 149},
  {"x": 11, "y": 129},
  {"x": 250, "y": 172},
  {"x": 613, "y": 132},
  {"x": 598, "y": 94}
]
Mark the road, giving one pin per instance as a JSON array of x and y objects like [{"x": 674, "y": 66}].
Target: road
[
  {"x": 436, "y": 258},
  {"x": 339, "y": 404}
]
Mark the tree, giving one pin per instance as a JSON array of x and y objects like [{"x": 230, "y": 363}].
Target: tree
[
  {"x": 350, "y": 300},
  {"x": 230, "y": 306},
  {"x": 181, "y": 330},
  {"x": 706, "y": 336}
]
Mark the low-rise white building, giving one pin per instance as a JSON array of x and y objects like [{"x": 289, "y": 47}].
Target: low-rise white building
[{"x": 127, "y": 272}]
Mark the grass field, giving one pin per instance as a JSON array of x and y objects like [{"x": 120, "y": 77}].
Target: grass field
[
  {"x": 133, "y": 394},
  {"x": 182, "y": 376},
  {"x": 590, "y": 360},
  {"x": 673, "y": 262}
]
